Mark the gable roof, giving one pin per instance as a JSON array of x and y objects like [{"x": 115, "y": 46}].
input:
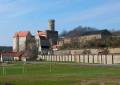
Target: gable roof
[
  {"x": 21, "y": 34},
  {"x": 41, "y": 33},
  {"x": 42, "y": 37}
]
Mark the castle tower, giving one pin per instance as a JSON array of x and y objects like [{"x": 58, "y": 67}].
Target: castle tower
[
  {"x": 17, "y": 43},
  {"x": 52, "y": 35},
  {"x": 51, "y": 24}
]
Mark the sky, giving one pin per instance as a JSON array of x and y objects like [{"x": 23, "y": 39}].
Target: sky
[{"x": 33, "y": 15}]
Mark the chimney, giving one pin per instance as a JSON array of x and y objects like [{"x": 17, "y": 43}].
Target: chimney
[{"x": 51, "y": 24}]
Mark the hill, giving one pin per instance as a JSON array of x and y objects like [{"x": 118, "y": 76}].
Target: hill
[{"x": 78, "y": 31}]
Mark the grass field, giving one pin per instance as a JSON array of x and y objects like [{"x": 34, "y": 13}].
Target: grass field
[{"x": 58, "y": 74}]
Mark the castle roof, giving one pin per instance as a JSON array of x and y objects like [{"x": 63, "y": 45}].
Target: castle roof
[
  {"x": 21, "y": 34},
  {"x": 41, "y": 33}
]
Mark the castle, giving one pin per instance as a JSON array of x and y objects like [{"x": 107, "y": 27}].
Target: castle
[{"x": 42, "y": 42}]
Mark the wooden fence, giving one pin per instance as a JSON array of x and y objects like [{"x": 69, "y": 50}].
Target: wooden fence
[{"x": 93, "y": 59}]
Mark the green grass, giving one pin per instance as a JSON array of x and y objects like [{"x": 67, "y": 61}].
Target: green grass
[{"x": 57, "y": 74}]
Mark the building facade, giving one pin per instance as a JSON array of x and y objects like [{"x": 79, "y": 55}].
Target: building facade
[
  {"x": 42, "y": 41},
  {"x": 95, "y": 35},
  {"x": 84, "y": 38},
  {"x": 21, "y": 40}
]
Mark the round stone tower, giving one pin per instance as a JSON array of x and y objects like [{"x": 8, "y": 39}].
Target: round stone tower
[{"x": 51, "y": 24}]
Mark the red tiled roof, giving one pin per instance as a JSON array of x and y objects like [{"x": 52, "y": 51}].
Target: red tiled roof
[
  {"x": 42, "y": 34},
  {"x": 9, "y": 54},
  {"x": 21, "y": 34}
]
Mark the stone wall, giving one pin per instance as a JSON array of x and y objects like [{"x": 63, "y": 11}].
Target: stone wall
[
  {"x": 93, "y": 59},
  {"x": 93, "y": 51}
]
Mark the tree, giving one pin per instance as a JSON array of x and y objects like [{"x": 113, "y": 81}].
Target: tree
[{"x": 63, "y": 33}]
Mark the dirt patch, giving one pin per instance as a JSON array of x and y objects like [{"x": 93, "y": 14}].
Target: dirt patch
[{"x": 6, "y": 83}]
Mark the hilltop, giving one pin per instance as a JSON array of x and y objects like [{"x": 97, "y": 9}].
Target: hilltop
[{"x": 79, "y": 31}]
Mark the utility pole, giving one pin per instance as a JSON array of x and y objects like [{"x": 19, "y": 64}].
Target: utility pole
[
  {"x": 1, "y": 58},
  {"x": 50, "y": 63},
  {"x": 24, "y": 62},
  {"x": 3, "y": 67}
]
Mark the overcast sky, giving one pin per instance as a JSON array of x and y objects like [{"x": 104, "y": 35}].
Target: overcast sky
[{"x": 33, "y": 15}]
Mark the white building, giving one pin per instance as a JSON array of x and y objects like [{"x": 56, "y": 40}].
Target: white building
[
  {"x": 42, "y": 42},
  {"x": 20, "y": 40}
]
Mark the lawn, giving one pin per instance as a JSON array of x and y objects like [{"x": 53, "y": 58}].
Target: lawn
[{"x": 58, "y": 74}]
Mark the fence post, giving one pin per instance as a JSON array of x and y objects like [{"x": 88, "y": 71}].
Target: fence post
[
  {"x": 101, "y": 58},
  {"x": 106, "y": 59},
  {"x": 45, "y": 58},
  {"x": 59, "y": 57},
  {"x": 68, "y": 58},
  {"x": 62, "y": 58},
  {"x": 98, "y": 58},
  {"x": 88, "y": 58},
  {"x": 93, "y": 59},
  {"x": 84, "y": 58},
  {"x": 50, "y": 69},
  {"x": 65, "y": 58},
  {"x": 56, "y": 57},
  {"x": 42, "y": 56},
  {"x": 51, "y": 58},
  {"x": 112, "y": 59},
  {"x": 74, "y": 57},
  {"x": 71, "y": 57},
  {"x": 79, "y": 58}
]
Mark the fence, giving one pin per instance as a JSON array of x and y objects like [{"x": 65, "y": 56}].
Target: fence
[{"x": 93, "y": 59}]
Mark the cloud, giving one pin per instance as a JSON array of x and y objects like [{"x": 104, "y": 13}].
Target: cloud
[
  {"x": 13, "y": 8},
  {"x": 113, "y": 20},
  {"x": 94, "y": 12}
]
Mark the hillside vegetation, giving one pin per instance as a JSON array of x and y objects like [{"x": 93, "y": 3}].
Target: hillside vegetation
[{"x": 113, "y": 41}]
